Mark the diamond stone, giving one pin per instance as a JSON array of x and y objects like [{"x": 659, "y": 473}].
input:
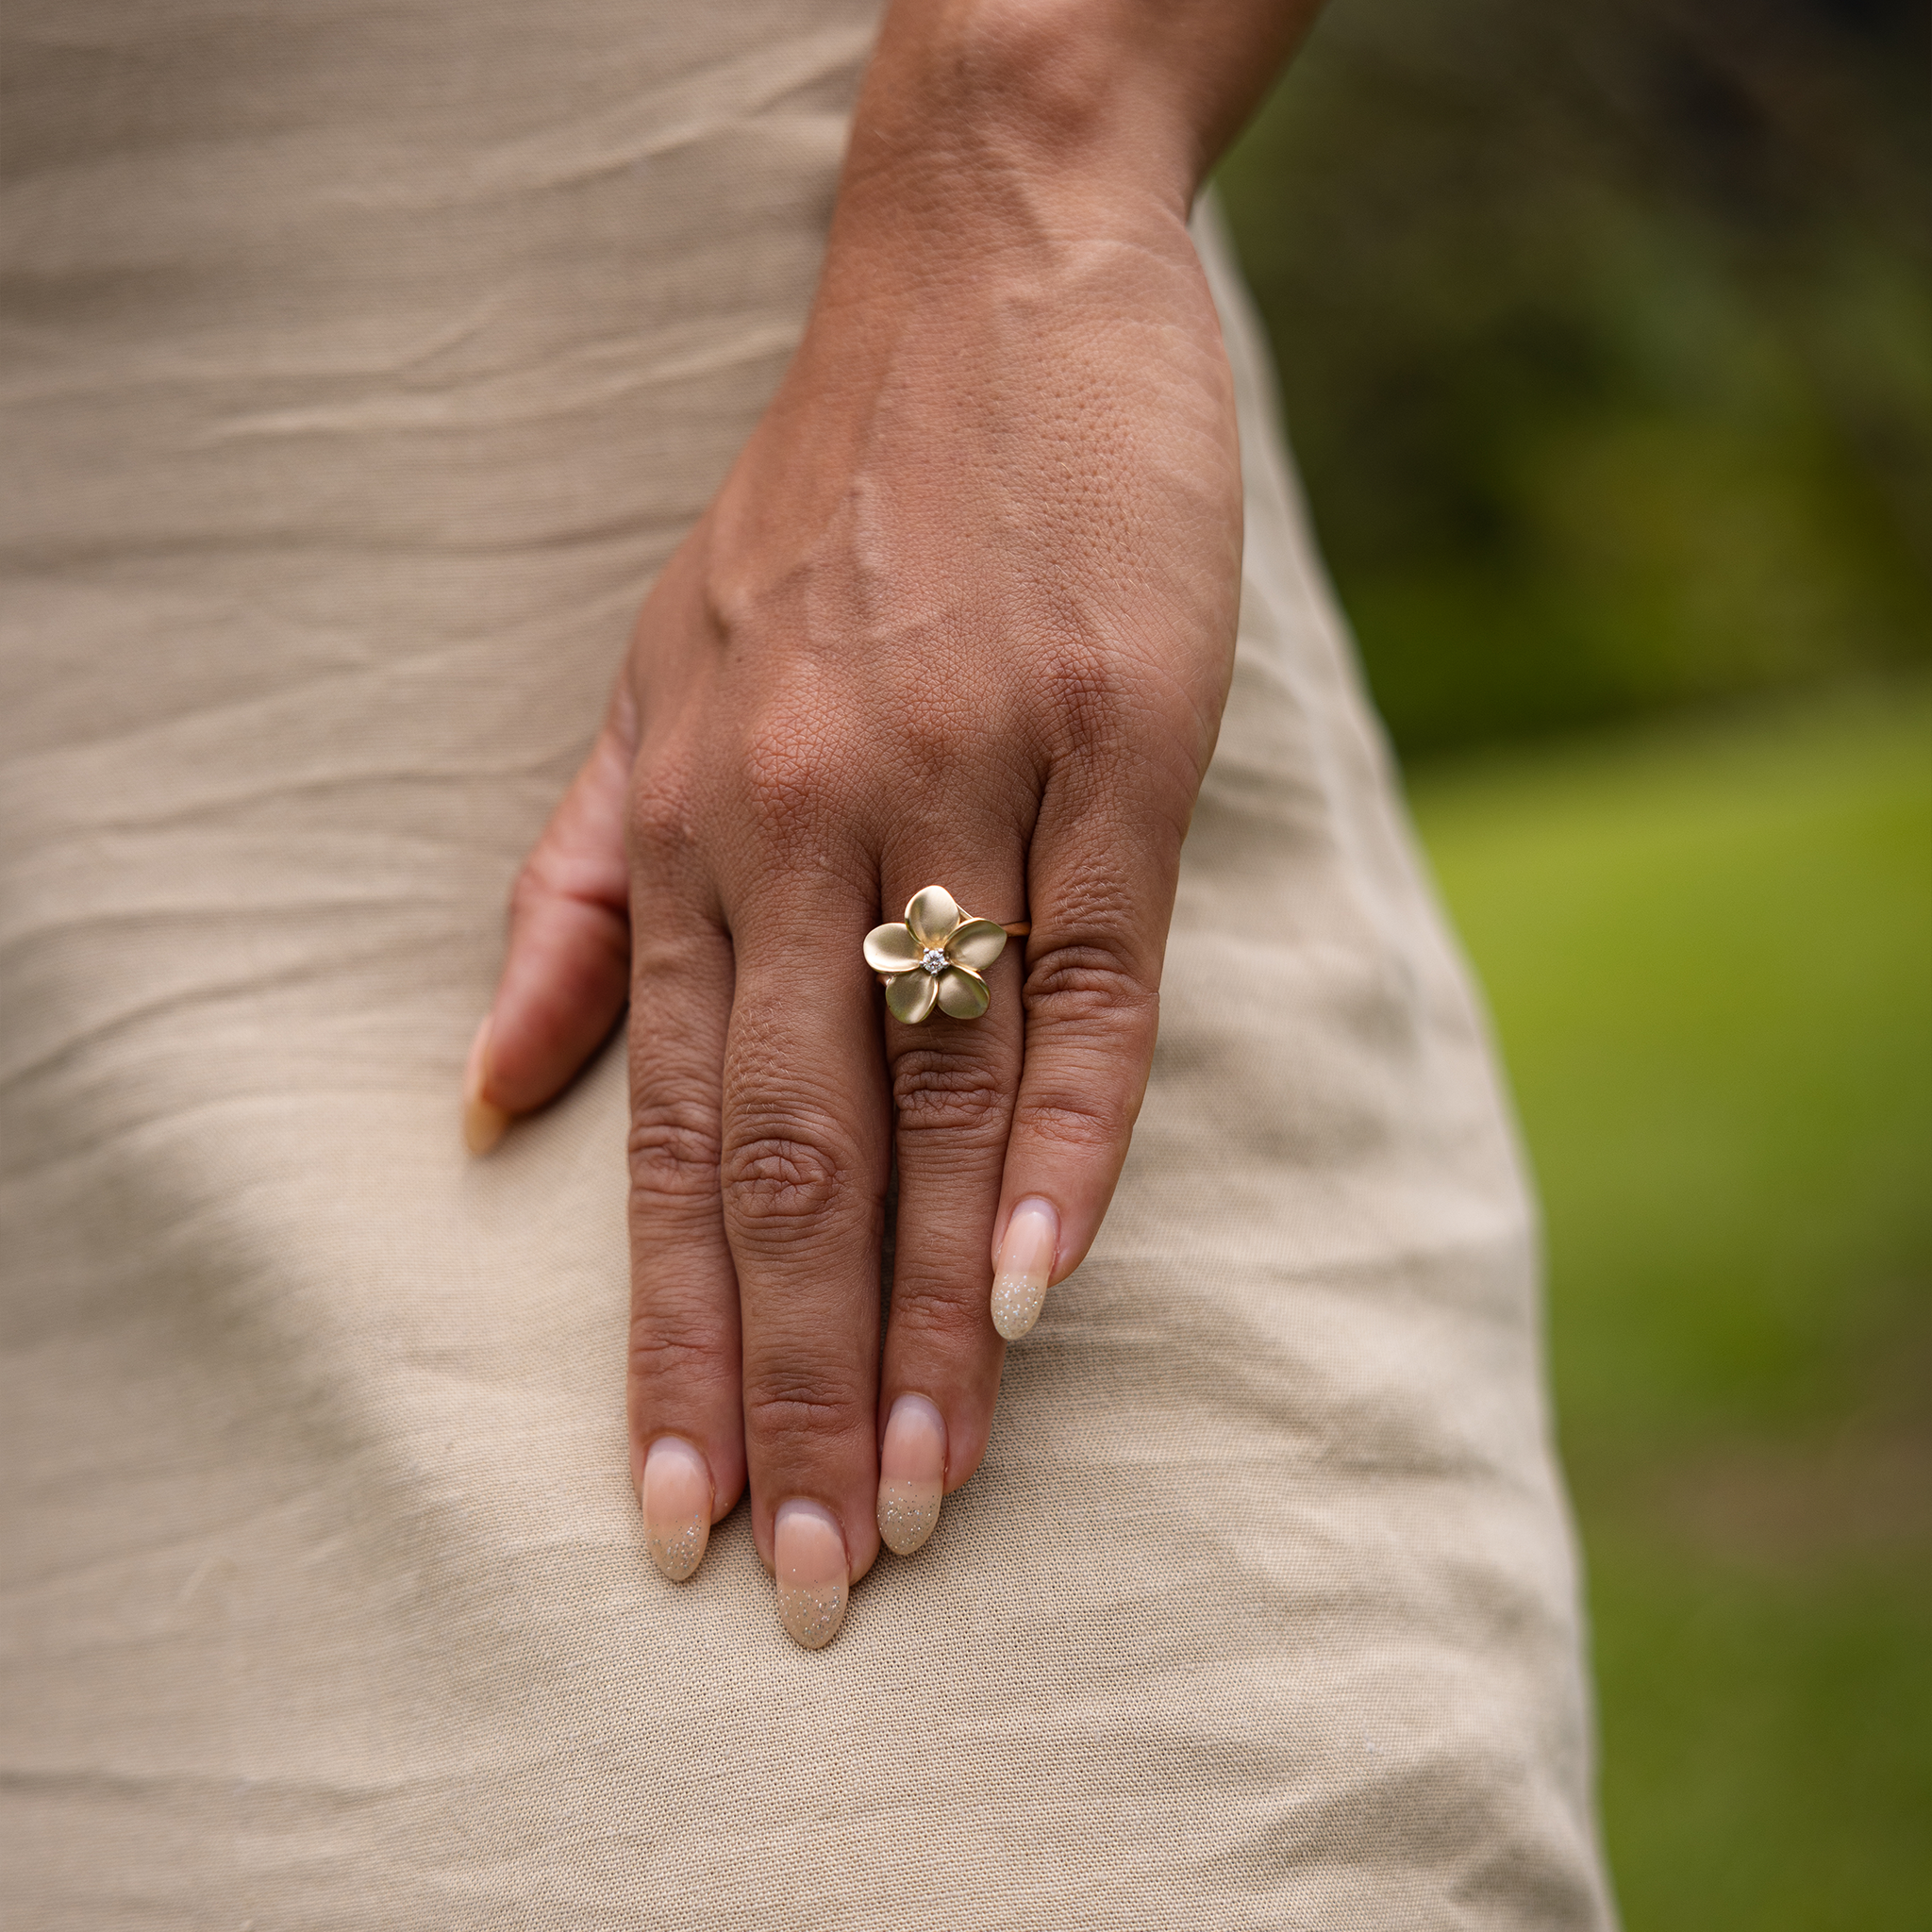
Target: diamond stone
[{"x": 934, "y": 961}]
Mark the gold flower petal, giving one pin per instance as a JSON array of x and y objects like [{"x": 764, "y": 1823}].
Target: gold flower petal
[
  {"x": 978, "y": 944},
  {"x": 963, "y": 993},
  {"x": 910, "y": 994},
  {"x": 932, "y": 915},
  {"x": 892, "y": 948}
]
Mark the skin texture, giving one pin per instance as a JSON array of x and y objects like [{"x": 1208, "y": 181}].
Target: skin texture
[{"x": 962, "y": 613}]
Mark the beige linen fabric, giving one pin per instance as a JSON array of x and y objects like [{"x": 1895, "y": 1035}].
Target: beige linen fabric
[{"x": 363, "y": 363}]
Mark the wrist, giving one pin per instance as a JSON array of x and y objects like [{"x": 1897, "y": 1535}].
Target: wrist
[
  {"x": 1012, "y": 222},
  {"x": 1022, "y": 115}
]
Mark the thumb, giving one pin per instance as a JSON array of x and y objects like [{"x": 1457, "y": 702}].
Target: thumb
[{"x": 568, "y": 964}]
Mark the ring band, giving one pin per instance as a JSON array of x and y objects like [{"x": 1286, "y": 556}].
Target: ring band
[{"x": 933, "y": 957}]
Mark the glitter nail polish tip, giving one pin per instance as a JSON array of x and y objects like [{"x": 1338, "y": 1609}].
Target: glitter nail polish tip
[
  {"x": 808, "y": 1550},
  {"x": 908, "y": 1513},
  {"x": 811, "y": 1617},
  {"x": 1017, "y": 1300},
  {"x": 1026, "y": 1263},
  {"x": 913, "y": 1473},
  {"x": 680, "y": 1554},
  {"x": 676, "y": 1495}
]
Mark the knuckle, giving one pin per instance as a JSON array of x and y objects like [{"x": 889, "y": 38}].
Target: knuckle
[
  {"x": 555, "y": 881},
  {"x": 658, "y": 820},
  {"x": 796, "y": 1418},
  {"x": 673, "y": 1358},
  {"x": 546, "y": 877},
  {"x": 1102, "y": 1018},
  {"x": 1083, "y": 693},
  {"x": 728, "y": 598},
  {"x": 928, "y": 736},
  {"x": 1081, "y": 1123},
  {"x": 784, "y": 1181},
  {"x": 674, "y": 1156},
  {"x": 937, "y": 1323},
  {"x": 790, "y": 778},
  {"x": 529, "y": 889},
  {"x": 950, "y": 1094},
  {"x": 1086, "y": 983}
]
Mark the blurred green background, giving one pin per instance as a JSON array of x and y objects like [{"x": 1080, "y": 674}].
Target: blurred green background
[{"x": 1605, "y": 342}]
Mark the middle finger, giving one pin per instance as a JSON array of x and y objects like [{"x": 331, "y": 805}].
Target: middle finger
[{"x": 802, "y": 1167}]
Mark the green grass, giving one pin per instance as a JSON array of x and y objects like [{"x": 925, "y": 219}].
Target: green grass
[{"x": 1709, "y": 951}]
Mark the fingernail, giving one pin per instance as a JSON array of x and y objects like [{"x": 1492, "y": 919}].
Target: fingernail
[
  {"x": 484, "y": 1122},
  {"x": 912, "y": 1474},
  {"x": 1019, "y": 1283},
  {"x": 677, "y": 1499},
  {"x": 809, "y": 1553}
]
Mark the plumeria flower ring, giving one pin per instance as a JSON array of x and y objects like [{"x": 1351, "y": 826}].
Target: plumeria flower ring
[{"x": 934, "y": 957}]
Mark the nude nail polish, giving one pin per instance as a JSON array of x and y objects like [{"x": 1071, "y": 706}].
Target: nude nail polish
[
  {"x": 676, "y": 1494},
  {"x": 912, "y": 1474},
  {"x": 808, "y": 1550},
  {"x": 484, "y": 1122},
  {"x": 1019, "y": 1283}
]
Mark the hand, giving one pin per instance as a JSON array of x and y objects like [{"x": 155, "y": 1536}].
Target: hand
[{"x": 963, "y": 613}]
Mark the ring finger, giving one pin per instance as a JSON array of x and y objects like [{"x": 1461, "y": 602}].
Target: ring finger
[{"x": 953, "y": 1078}]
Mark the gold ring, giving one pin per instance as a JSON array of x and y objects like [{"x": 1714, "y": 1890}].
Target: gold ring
[{"x": 934, "y": 956}]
